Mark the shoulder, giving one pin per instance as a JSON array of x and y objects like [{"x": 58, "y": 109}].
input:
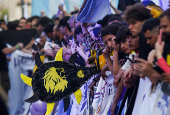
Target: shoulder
[{"x": 151, "y": 56}]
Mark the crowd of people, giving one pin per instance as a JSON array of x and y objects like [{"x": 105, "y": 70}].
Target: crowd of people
[{"x": 134, "y": 46}]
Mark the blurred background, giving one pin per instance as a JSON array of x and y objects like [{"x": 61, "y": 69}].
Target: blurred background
[{"x": 15, "y": 9}]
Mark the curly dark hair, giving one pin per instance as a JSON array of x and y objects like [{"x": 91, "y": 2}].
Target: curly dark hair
[
  {"x": 115, "y": 17},
  {"x": 137, "y": 12},
  {"x": 109, "y": 29}
]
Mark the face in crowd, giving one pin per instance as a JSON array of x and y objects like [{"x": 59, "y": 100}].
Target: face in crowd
[
  {"x": 108, "y": 40},
  {"x": 125, "y": 46},
  {"x": 135, "y": 27},
  {"x": 151, "y": 37},
  {"x": 165, "y": 26},
  {"x": 133, "y": 42},
  {"x": 23, "y": 23},
  {"x": 63, "y": 30}
]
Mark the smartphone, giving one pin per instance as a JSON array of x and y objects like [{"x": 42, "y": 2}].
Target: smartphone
[{"x": 127, "y": 57}]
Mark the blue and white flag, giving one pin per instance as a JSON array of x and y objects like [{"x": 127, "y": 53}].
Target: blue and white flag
[{"x": 94, "y": 11}]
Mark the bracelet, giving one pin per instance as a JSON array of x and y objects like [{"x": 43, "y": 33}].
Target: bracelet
[{"x": 18, "y": 46}]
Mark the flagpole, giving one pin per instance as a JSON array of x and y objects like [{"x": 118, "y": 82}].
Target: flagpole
[{"x": 22, "y": 3}]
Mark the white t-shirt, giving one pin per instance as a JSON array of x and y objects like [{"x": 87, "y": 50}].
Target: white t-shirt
[{"x": 149, "y": 101}]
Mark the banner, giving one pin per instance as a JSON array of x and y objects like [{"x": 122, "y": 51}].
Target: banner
[
  {"x": 161, "y": 104},
  {"x": 104, "y": 95},
  {"x": 20, "y": 63},
  {"x": 12, "y": 37}
]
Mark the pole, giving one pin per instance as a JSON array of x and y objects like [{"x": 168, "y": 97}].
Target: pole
[{"x": 22, "y": 3}]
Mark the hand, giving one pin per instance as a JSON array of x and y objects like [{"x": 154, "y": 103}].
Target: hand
[
  {"x": 21, "y": 46},
  {"x": 130, "y": 82},
  {"x": 55, "y": 50},
  {"x": 159, "y": 46},
  {"x": 142, "y": 76},
  {"x": 106, "y": 52},
  {"x": 122, "y": 62},
  {"x": 144, "y": 67},
  {"x": 127, "y": 77},
  {"x": 113, "y": 107},
  {"x": 33, "y": 54},
  {"x": 112, "y": 57},
  {"x": 32, "y": 41},
  {"x": 60, "y": 7},
  {"x": 118, "y": 77},
  {"x": 103, "y": 74},
  {"x": 76, "y": 8},
  {"x": 80, "y": 48},
  {"x": 159, "y": 49},
  {"x": 8, "y": 59},
  {"x": 66, "y": 53},
  {"x": 49, "y": 53},
  {"x": 91, "y": 87},
  {"x": 166, "y": 77},
  {"x": 72, "y": 47}
]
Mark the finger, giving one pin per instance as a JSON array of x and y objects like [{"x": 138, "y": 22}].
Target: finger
[
  {"x": 160, "y": 37},
  {"x": 121, "y": 60},
  {"x": 130, "y": 74},
  {"x": 163, "y": 43},
  {"x": 80, "y": 44},
  {"x": 140, "y": 65}
]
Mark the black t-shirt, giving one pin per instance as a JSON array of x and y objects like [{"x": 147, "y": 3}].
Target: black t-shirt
[
  {"x": 3, "y": 60},
  {"x": 144, "y": 48}
]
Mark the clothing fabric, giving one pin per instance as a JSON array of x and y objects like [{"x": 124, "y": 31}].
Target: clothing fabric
[
  {"x": 132, "y": 93},
  {"x": 127, "y": 63},
  {"x": 162, "y": 103},
  {"x": 144, "y": 86},
  {"x": 163, "y": 65},
  {"x": 92, "y": 44},
  {"x": 144, "y": 48},
  {"x": 3, "y": 60},
  {"x": 61, "y": 108},
  {"x": 104, "y": 95},
  {"x": 94, "y": 11},
  {"x": 149, "y": 101}
]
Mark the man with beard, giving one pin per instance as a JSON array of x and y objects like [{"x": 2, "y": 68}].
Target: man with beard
[{"x": 165, "y": 27}]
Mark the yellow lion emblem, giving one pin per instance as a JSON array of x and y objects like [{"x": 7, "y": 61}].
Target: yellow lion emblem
[
  {"x": 80, "y": 74},
  {"x": 53, "y": 81}
]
